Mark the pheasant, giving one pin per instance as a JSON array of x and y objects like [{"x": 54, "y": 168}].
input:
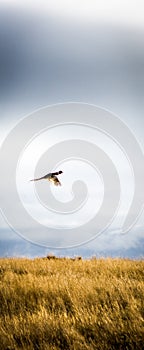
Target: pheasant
[{"x": 51, "y": 177}]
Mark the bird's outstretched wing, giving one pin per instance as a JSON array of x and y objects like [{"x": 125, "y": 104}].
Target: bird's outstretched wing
[{"x": 55, "y": 180}]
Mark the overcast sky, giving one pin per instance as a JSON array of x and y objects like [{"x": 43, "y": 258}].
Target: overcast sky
[{"x": 76, "y": 51}]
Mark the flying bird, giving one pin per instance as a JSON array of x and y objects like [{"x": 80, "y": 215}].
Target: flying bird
[{"x": 51, "y": 177}]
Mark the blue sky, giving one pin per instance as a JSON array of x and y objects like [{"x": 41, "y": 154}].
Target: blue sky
[{"x": 79, "y": 52}]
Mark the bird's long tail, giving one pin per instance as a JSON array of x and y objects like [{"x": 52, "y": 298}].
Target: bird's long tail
[{"x": 40, "y": 178}]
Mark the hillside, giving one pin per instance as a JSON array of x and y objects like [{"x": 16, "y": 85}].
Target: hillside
[{"x": 71, "y": 304}]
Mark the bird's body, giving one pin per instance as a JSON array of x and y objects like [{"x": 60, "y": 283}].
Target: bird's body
[{"x": 51, "y": 177}]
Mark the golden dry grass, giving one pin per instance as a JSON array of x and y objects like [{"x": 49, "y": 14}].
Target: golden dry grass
[{"x": 66, "y": 304}]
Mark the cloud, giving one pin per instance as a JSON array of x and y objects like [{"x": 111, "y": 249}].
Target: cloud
[
  {"x": 128, "y": 12},
  {"x": 42, "y": 56}
]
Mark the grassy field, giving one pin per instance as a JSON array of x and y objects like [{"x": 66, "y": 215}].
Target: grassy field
[{"x": 71, "y": 304}]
